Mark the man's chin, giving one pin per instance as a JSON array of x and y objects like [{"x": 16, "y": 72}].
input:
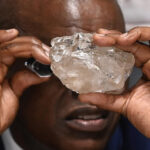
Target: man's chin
[
  {"x": 82, "y": 144},
  {"x": 79, "y": 138}
]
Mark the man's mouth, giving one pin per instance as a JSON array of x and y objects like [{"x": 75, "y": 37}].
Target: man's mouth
[{"x": 87, "y": 119}]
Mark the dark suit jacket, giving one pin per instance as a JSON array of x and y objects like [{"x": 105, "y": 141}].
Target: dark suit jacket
[{"x": 1, "y": 145}]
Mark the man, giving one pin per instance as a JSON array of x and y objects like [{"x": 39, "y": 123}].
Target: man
[{"x": 51, "y": 116}]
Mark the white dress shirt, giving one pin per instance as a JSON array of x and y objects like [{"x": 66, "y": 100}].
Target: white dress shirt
[{"x": 9, "y": 142}]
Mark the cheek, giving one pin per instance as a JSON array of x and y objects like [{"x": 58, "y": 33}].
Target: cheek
[{"x": 38, "y": 107}]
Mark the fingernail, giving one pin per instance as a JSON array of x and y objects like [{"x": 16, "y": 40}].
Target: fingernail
[
  {"x": 35, "y": 41},
  {"x": 42, "y": 52},
  {"x": 128, "y": 35},
  {"x": 46, "y": 48},
  {"x": 47, "y": 53},
  {"x": 102, "y": 29},
  {"x": 11, "y": 30},
  {"x": 124, "y": 35},
  {"x": 100, "y": 35}
]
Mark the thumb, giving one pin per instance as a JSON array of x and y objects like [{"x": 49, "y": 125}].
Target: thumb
[
  {"x": 115, "y": 103},
  {"x": 7, "y": 35},
  {"x": 25, "y": 79}
]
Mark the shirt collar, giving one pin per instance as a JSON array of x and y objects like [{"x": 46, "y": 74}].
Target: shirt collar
[{"x": 9, "y": 142}]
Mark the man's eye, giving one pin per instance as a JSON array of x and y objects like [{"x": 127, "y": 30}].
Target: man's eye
[{"x": 40, "y": 69}]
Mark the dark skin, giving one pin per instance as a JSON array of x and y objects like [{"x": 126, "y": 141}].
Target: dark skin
[
  {"x": 135, "y": 104},
  {"x": 48, "y": 129},
  {"x": 69, "y": 20},
  {"x": 41, "y": 117}
]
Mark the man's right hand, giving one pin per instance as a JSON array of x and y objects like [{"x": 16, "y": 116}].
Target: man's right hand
[{"x": 11, "y": 47}]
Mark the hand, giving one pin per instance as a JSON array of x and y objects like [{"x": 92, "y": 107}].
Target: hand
[
  {"x": 12, "y": 47},
  {"x": 135, "y": 105}
]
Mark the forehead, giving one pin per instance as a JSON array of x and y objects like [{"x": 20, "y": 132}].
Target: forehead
[{"x": 51, "y": 18}]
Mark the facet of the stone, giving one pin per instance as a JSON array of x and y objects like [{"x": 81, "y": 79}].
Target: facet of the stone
[{"x": 84, "y": 67}]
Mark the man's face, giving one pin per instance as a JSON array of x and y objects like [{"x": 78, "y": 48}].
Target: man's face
[{"x": 51, "y": 113}]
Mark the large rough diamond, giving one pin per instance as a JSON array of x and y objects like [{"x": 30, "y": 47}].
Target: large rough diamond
[{"x": 84, "y": 67}]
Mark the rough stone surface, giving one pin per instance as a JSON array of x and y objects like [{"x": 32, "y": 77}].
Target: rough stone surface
[{"x": 84, "y": 67}]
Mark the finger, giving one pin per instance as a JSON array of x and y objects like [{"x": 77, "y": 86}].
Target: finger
[
  {"x": 25, "y": 79},
  {"x": 105, "y": 31},
  {"x": 3, "y": 72},
  {"x": 146, "y": 69},
  {"x": 109, "y": 102},
  {"x": 26, "y": 39},
  {"x": 27, "y": 50},
  {"x": 104, "y": 40},
  {"x": 126, "y": 39},
  {"x": 7, "y": 60},
  {"x": 6, "y": 35},
  {"x": 140, "y": 51},
  {"x": 135, "y": 34},
  {"x": 8, "y": 106},
  {"x": 106, "y": 37},
  {"x": 31, "y": 39}
]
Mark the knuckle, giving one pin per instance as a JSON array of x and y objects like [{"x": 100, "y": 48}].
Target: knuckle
[
  {"x": 34, "y": 40},
  {"x": 35, "y": 48},
  {"x": 137, "y": 29},
  {"x": 29, "y": 39},
  {"x": 125, "y": 106},
  {"x": 8, "y": 46},
  {"x": 116, "y": 31}
]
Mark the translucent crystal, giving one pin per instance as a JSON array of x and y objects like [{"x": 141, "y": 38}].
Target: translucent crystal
[{"x": 84, "y": 67}]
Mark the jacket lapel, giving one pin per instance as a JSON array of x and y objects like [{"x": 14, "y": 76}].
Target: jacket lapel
[{"x": 1, "y": 144}]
